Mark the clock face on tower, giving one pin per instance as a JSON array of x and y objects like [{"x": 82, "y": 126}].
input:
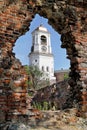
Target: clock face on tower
[{"x": 44, "y": 48}]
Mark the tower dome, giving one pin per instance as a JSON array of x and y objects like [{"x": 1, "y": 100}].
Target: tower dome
[{"x": 41, "y": 28}]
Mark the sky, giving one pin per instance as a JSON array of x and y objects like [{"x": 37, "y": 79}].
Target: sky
[{"x": 23, "y": 45}]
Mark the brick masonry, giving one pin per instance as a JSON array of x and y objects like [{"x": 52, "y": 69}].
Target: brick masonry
[
  {"x": 55, "y": 95},
  {"x": 61, "y": 74},
  {"x": 68, "y": 18}
]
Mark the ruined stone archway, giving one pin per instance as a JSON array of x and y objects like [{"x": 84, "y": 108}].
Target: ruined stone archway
[{"x": 69, "y": 18}]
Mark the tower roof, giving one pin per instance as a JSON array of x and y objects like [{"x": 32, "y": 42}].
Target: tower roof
[{"x": 41, "y": 28}]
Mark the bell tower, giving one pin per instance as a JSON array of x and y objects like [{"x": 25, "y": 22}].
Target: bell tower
[{"x": 41, "y": 52}]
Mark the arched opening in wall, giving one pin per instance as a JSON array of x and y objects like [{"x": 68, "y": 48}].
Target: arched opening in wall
[{"x": 23, "y": 45}]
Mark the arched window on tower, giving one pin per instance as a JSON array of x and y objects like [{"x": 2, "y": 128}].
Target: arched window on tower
[
  {"x": 43, "y": 40},
  {"x": 42, "y": 68},
  {"x": 47, "y": 69}
]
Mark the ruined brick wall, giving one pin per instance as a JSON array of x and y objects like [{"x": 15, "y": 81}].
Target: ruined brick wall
[
  {"x": 55, "y": 95},
  {"x": 14, "y": 21},
  {"x": 61, "y": 75},
  {"x": 69, "y": 18}
]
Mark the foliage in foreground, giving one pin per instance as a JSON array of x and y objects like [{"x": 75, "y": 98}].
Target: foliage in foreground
[
  {"x": 43, "y": 106},
  {"x": 36, "y": 78}
]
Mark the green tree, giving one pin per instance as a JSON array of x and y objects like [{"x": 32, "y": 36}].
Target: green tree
[
  {"x": 35, "y": 78},
  {"x": 66, "y": 76}
]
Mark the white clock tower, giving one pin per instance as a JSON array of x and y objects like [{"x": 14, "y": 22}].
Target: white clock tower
[{"x": 41, "y": 53}]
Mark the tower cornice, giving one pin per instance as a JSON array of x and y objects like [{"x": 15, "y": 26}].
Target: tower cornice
[{"x": 40, "y": 53}]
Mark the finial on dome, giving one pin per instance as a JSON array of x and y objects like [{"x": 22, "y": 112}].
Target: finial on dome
[{"x": 41, "y": 24}]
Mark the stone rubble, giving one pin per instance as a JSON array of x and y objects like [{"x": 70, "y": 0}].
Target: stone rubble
[{"x": 53, "y": 120}]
